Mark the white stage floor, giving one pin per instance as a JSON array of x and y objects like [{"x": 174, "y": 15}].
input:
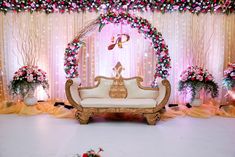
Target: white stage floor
[{"x": 46, "y": 136}]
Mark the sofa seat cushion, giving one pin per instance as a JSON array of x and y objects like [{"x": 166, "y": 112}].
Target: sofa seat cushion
[{"x": 112, "y": 102}]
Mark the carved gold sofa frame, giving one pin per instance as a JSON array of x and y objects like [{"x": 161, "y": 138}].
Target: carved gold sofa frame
[{"x": 83, "y": 114}]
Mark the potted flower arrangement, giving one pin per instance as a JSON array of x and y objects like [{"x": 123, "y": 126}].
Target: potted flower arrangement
[
  {"x": 194, "y": 79},
  {"x": 229, "y": 80},
  {"x": 229, "y": 77},
  {"x": 91, "y": 153},
  {"x": 26, "y": 80}
]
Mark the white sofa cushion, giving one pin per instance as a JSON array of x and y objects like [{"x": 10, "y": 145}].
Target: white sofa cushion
[
  {"x": 102, "y": 91},
  {"x": 134, "y": 92},
  {"x": 113, "y": 102}
]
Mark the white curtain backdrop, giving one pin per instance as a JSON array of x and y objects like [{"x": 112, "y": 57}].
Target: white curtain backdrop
[{"x": 206, "y": 40}]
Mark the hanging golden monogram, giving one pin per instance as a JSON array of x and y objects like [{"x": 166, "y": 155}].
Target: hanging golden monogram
[{"x": 121, "y": 38}]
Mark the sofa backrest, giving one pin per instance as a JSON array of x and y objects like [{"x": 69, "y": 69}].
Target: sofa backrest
[
  {"x": 101, "y": 90},
  {"x": 134, "y": 89}
]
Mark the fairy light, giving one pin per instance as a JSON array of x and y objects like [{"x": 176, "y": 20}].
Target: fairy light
[
  {"x": 229, "y": 42},
  {"x": 92, "y": 61},
  {"x": 1, "y": 77},
  {"x": 138, "y": 58},
  {"x": 56, "y": 56},
  {"x": 1, "y": 82}
]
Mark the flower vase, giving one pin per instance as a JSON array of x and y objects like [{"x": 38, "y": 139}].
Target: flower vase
[
  {"x": 30, "y": 99},
  {"x": 197, "y": 101}
]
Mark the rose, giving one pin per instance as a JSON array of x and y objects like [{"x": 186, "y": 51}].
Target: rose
[
  {"x": 184, "y": 77},
  {"x": 198, "y": 71},
  {"x": 210, "y": 77},
  {"x": 29, "y": 71},
  {"x": 199, "y": 77},
  {"x": 85, "y": 155},
  {"x": 232, "y": 75},
  {"x": 40, "y": 78},
  {"x": 30, "y": 78}
]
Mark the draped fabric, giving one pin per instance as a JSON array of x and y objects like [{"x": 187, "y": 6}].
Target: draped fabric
[
  {"x": 206, "y": 110},
  {"x": 206, "y": 40}
]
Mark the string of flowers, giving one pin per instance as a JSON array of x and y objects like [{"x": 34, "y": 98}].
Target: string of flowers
[
  {"x": 163, "y": 6},
  {"x": 143, "y": 26},
  {"x": 229, "y": 77},
  {"x": 26, "y": 78},
  {"x": 70, "y": 58},
  {"x": 195, "y": 78}
]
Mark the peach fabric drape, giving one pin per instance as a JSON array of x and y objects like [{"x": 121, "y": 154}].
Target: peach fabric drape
[
  {"x": 206, "y": 40},
  {"x": 209, "y": 109}
]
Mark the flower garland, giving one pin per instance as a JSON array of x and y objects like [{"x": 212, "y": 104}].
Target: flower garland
[
  {"x": 143, "y": 26},
  {"x": 229, "y": 77},
  {"x": 163, "y": 6},
  {"x": 195, "y": 78},
  {"x": 26, "y": 78},
  {"x": 70, "y": 59}
]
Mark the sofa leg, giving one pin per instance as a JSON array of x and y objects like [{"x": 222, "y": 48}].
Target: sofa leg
[
  {"x": 152, "y": 118},
  {"x": 83, "y": 117}
]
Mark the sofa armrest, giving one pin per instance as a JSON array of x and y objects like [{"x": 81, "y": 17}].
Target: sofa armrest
[
  {"x": 71, "y": 90},
  {"x": 164, "y": 93}
]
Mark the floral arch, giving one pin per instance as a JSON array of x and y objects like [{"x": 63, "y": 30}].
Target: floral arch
[{"x": 142, "y": 25}]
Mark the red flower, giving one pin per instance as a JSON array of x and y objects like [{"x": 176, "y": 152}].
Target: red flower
[
  {"x": 85, "y": 155},
  {"x": 75, "y": 41},
  {"x": 192, "y": 78}
]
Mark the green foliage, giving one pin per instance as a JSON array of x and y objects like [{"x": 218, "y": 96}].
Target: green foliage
[
  {"x": 195, "y": 86},
  {"x": 229, "y": 83}
]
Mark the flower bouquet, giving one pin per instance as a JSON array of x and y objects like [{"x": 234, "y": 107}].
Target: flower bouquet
[
  {"x": 27, "y": 79},
  {"x": 229, "y": 77},
  {"x": 92, "y": 153},
  {"x": 195, "y": 78},
  {"x": 229, "y": 80}
]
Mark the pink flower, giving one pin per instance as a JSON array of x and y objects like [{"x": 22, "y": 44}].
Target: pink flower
[
  {"x": 209, "y": 78},
  {"x": 40, "y": 78},
  {"x": 29, "y": 71},
  {"x": 232, "y": 74},
  {"x": 30, "y": 78},
  {"x": 74, "y": 5},
  {"x": 7, "y": 4},
  {"x": 199, "y": 77},
  {"x": 184, "y": 77},
  {"x": 71, "y": 70},
  {"x": 198, "y": 71}
]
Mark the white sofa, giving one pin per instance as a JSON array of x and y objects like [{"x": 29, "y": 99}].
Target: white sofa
[{"x": 144, "y": 100}]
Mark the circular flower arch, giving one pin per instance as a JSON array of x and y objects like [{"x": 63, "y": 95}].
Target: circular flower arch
[{"x": 142, "y": 25}]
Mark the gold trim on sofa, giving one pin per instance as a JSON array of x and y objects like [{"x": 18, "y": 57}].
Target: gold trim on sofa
[{"x": 152, "y": 115}]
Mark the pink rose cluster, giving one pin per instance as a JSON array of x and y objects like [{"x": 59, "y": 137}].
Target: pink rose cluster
[
  {"x": 62, "y": 6},
  {"x": 31, "y": 74},
  {"x": 230, "y": 71},
  {"x": 70, "y": 59},
  {"x": 195, "y": 73}
]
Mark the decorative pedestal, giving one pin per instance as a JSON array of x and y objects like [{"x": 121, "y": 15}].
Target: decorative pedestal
[
  {"x": 30, "y": 99},
  {"x": 197, "y": 101}
]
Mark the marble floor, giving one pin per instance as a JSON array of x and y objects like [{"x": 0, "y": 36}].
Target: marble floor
[{"x": 46, "y": 136}]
